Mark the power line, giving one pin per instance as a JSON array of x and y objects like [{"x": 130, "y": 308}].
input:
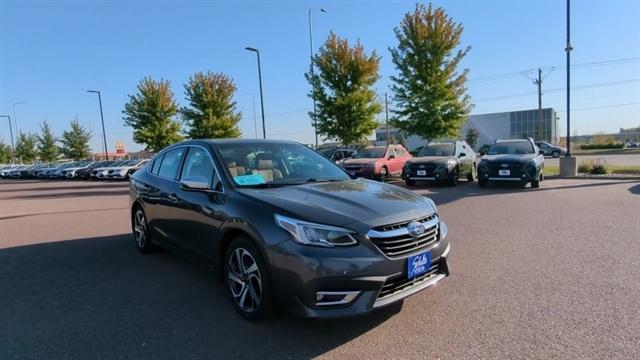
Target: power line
[
  {"x": 552, "y": 68},
  {"x": 579, "y": 87},
  {"x": 600, "y": 107}
]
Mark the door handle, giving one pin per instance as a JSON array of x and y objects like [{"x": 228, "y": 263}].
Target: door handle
[{"x": 173, "y": 198}]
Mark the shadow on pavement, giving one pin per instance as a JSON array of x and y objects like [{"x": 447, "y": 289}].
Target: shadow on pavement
[
  {"x": 71, "y": 185},
  {"x": 100, "y": 298},
  {"x": 70, "y": 194},
  {"x": 442, "y": 194},
  {"x": 635, "y": 189}
]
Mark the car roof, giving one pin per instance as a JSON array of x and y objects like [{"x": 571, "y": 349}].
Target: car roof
[{"x": 512, "y": 140}]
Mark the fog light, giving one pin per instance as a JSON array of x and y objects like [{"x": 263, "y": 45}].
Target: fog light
[
  {"x": 523, "y": 176},
  {"x": 437, "y": 175},
  {"x": 329, "y": 298}
]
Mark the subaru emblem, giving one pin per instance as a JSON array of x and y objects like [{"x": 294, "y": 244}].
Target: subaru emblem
[
  {"x": 416, "y": 229},
  {"x": 505, "y": 165}
]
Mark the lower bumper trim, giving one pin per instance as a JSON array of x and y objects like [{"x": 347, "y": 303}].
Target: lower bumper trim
[
  {"x": 506, "y": 179},
  {"x": 425, "y": 283}
]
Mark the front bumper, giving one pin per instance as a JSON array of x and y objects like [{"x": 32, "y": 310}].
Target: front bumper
[{"x": 300, "y": 273}]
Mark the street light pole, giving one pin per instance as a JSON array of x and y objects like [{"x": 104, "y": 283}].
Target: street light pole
[
  {"x": 255, "y": 121},
  {"x": 13, "y": 159},
  {"x": 15, "y": 118},
  {"x": 264, "y": 129},
  {"x": 104, "y": 134},
  {"x": 313, "y": 84},
  {"x": 568, "y": 50}
]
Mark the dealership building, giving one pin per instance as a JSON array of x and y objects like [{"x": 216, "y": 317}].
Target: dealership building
[{"x": 494, "y": 126}]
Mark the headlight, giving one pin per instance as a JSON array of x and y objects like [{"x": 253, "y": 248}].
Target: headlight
[
  {"x": 370, "y": 165},
  {"x": 451, "y": 163},
  {"x": 307, "y": 233},
  {"x": 443, "y": 230}
]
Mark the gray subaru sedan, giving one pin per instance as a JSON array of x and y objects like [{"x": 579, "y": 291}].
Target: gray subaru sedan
[{"x": 287, "y": 228}]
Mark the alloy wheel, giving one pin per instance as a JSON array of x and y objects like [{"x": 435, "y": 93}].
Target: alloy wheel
[
  {"x": 140, "y": 229},
  {"x": 245, "y": 280}
]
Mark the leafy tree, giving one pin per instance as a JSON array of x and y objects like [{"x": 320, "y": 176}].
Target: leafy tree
[
  {"x": 342, "y": 89},
  {"x": 472, "y": 137},
  {"x": 211, "y": 112},
  {"x": 47, "y": 148},
  {"x": 429, "y": 91},
  {"x": 26, "y": 147},
  {"x": 5, "y": 153},
  {"x": 75, "y": 141},
  {"x": 150, "y": 112}
]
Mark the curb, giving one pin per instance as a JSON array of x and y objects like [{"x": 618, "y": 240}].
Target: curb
[{"x": 592, "y": 177}]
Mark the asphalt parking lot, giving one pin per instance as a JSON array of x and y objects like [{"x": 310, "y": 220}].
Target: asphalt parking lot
[{"x": 536, "y": 274}]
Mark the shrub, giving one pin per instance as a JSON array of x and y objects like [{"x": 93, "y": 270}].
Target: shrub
[
  {"x": 584, "y": 167},
  {"x": 598, "y": 168},
  {"x": 611, "y": 145}
]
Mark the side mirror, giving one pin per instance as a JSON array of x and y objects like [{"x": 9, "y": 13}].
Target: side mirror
[
  {"x": 482, "y": 153},
  {"x": 391, "y": 157},
  {"x": 541, "y": 152},
  {"x": 197, "y": 183},
  {"x": 462, "y": 155}
]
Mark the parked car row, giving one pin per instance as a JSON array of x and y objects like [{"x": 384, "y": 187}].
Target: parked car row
[{"x": 84, "y": 170}]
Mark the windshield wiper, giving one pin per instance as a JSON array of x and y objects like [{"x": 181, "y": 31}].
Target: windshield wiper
[{"x": 310, "y": 180}]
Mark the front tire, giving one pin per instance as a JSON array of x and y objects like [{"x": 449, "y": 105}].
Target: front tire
[
  {"x": 453, "y": 178},
  {"x": 555, "y": 154},
  {"x": 245, "y": 274},
  {"x": 472, "y": 175},
  {"x": 482, "y": 183},
  {"x": 410, "y": 182},
  {"x": 384, "y": 174}
]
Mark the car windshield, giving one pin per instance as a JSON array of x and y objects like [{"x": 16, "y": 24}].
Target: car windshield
[
  {"x": 273, "y": 164},
  {"x": 370, "y": 153},
  {"x": 438, "y": 150},
  {"x": 511, "y": 147}
]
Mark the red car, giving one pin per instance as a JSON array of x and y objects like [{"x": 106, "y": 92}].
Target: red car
[{"x": 378, "y": 162}]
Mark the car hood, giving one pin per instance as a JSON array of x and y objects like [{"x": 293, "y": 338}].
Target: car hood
[
  {"x": 429, "y": 159},
  {"x": 358, "y": 204},
  {"x": 510, "y": 157},
  {"x": 362, "y": 161}
]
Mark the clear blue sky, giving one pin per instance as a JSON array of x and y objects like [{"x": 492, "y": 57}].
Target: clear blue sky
[{"x": 52, "y": 51}]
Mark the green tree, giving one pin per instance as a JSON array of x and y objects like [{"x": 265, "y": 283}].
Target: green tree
[
  {"x": 472, "y": 137},
  {"x": 211, "y": 112},
  {"x": 26, "y": 147},
  {"x": 429, "y": 91},
  {"x": 5, "y": 152},
  {"x": 343, "y": 91},
  {"x": 150, "y": 112},
  {"x": 47, "y": 148},
  {"x": 75, "y": 141}
]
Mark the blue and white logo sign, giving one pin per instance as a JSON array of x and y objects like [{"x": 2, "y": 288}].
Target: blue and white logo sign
[
  {"x": 416, "y": 229},
  {"x": 418, "y": 264}
]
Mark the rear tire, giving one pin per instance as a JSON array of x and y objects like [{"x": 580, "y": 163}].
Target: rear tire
[
  {"x": 141, "y": 231},
  {"x": 556, "y": 154},
  {"x": 247, "y": 279}
]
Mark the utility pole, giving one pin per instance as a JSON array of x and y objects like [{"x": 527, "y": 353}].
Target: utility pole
[
  {"x": 386, "y": 116},
  {"x": 538, "y": 82}
]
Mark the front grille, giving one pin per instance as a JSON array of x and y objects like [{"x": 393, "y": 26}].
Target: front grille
[
  {"x": 111, "y": 171},
  {"x": 405, "y": 244},
  {"x": 515, "y": 169},
  {"x": 429, "y": 168},
  {"x": 402, "y": 224},
  {"x": 401, "y": 283}
]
